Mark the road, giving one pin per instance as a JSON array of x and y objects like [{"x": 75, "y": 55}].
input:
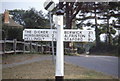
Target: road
[{"x": 105, "y": 64}]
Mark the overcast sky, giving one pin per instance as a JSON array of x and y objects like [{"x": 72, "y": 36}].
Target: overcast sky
[{"x": 23, "y": 4}]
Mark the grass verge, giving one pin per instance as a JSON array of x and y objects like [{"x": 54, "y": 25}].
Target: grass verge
[{"x": 46, "y": 70}]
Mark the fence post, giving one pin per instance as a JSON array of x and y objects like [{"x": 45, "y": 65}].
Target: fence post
[
  {"x": 49, "y": 49},
  {"x": 24, "y": 47},
  {"x": 4, "y": 46},
  {"x": 42, "y": 48},
  {"x": 36, "y": 46},
  {"x": 14, "y": 45},
  {"x": 30, "y": 46}
]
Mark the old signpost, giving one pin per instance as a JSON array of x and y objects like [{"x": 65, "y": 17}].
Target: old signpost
[{"x": 60, "y": 35}]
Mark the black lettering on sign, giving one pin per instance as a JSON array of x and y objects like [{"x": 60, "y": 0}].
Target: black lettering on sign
[
  {"x": 79, "y": 39},
  {"x": 73, "y": 32},
  {"x": 80, "y": 32},
  {"x": 65, "y": 32},
  {"x": 27, "y": 31},
  {"x": 26, "y": 38},
  {"x": 43, "y": 31},
  {"x": 52, "y": 35},
  {"x": 35, "y": 38},
  {"x": 70, "y": 39},
  {"x": 42, "y": 35},
  {"x": 25, "y": 35},
  {"x": 46, "y": 31},
  {"x": 89, "y": 36},
  {"x": 83, "y": 36},
  {"x": 65, "y": 35},
  {"x": 47, "y": 35},
  {"x": 90, "y": 39},
  {"x": 35, "y": 32},
  {"x": 65, "y": 38}
]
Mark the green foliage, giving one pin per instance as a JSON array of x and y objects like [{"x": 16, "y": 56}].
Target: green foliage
[
  {"x": 15, "y": 33},
  {"x": 105, "y": 48},
  {"x": 112, "y": 31},
  {"x": 12, "y": 32},
  {"x": 4, "y": 31},
  {"x": 103, "y": 29},
  {"x": 114, "y": 5},
  {"x": 116, "y": 40},
  {"x": 81, "y": 50},
  {"x": 30, "y": 18},
  {"x": 102, "y": 11}
]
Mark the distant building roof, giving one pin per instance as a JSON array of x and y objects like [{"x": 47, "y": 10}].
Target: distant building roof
[{"x": 9, "y": 21}]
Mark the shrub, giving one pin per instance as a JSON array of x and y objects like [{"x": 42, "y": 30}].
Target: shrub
[{"x": 12, "y": 33}]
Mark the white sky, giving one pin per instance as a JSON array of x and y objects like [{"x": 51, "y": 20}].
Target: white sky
[{"x": 23, "y": 4}]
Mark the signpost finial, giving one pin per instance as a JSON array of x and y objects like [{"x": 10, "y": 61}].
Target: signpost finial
[{"x": 60, "y": 12}]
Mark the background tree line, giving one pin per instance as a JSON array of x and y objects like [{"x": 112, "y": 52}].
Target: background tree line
[
  {"x": 90, "y": 14},
  {"x": 31, "y": 19}
]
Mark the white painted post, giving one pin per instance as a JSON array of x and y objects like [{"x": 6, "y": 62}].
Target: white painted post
[{"x": 60, "y": 53}]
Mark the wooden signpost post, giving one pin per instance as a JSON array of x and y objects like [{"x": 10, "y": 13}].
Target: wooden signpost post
[
  {"x": 60, "y": 35},
  {"x": 59, "y": 72}
]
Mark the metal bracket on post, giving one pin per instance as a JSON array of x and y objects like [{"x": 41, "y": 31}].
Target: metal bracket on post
[
  {"x": 52, "y": 39},
  {"x": 49, "y": 5}
]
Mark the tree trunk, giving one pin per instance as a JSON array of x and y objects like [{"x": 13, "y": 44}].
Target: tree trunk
[
  {"x": 68, "y": 25},
  {"x": 108, "y": 30},
  {"x": 96, "y": 30}
]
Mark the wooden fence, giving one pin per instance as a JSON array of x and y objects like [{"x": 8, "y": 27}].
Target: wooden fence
[{"x": 14, "y": 46}]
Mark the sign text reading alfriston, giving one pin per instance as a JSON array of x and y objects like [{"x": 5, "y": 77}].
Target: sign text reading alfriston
[{"x": 51, "y": 34}]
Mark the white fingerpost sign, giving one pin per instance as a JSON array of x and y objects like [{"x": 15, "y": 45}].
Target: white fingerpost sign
[
  {"x": 74, "y": 35},
  {"x": 49, "y": 5}
]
